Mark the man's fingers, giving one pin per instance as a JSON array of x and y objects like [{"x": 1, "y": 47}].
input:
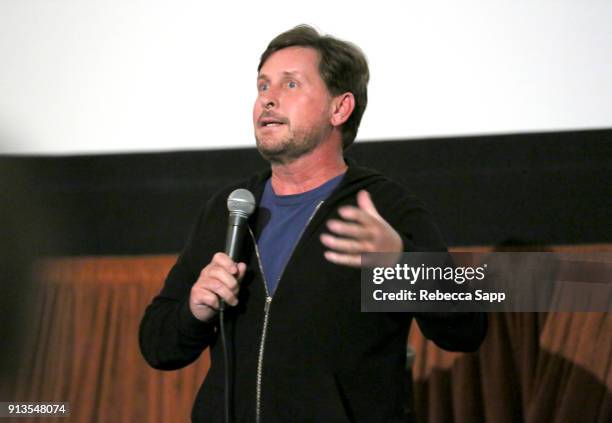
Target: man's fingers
[
  {"x": 223, "y": 260},
  {"x": 365, "y": 203},
  {"x": 218, "y": 289},
  {"x": 365, "y": 212},
  {"x": 347, "y": 229},
  {"x": 355, "y": 214},
  {"x": 241, "y": 271},
  {"x": 221, "y": 275},
  {"x": 361, "y": 230},
  {"x": 204, "y": 297},
  {"x": 219, "y": 280},
  {"x": 352, "y": 260},
  {"x": 344, "y": 245}
]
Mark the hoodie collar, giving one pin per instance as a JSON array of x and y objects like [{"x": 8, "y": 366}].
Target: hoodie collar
[{"x": 356, "y": 178}]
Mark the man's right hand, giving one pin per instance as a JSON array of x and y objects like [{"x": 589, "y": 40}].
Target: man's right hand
[{"x": 219, "y": 280}]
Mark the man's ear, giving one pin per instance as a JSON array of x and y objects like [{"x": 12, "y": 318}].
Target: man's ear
[{"x": 342, "y": 107}]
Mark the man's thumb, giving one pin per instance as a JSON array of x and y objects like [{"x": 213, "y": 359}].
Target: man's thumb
[{"x": 364, "y": 201}]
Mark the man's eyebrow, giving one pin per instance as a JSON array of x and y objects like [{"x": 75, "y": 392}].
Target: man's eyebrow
[
  {"x": 285, "y": 74},
  {"x": 291, "y": 73}
]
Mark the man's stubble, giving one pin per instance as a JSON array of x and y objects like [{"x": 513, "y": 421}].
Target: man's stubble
[{"x": 296, "y": 144}]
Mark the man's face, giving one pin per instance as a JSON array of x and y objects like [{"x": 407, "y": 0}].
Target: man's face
[{"x": 292, "y": 111}]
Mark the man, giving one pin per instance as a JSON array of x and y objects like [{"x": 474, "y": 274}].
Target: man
[{"x": 301, "y": 349}]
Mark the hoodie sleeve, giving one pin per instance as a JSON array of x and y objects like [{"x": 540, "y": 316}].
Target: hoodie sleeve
[
  {"x": 170, "y": 336},
  {"x": 459, "y": 331}
]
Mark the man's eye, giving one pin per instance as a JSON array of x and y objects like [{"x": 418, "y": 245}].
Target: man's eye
[
  {"x": 292, "y": 84},
  {"x": 263, "y": 86}
]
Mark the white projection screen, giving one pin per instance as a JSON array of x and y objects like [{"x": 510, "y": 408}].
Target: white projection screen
[{"x": 89, "y": 77}]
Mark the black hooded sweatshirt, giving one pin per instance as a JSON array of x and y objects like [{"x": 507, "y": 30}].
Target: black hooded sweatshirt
[{"x": 307, "y": 353}]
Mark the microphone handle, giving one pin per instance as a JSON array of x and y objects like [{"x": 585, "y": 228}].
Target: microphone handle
[
  {"x": 233, "y": 240},
  {"x": 235, "y": 233}
]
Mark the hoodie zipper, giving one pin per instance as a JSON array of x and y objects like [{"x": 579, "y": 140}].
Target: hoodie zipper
[{"x": 267, "y": 309}]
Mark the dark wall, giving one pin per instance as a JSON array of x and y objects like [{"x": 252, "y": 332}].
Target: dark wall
[{"x": 550, "y": 188}]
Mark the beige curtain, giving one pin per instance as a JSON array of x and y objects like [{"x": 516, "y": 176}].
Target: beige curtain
[
  {"x": 82, "y": 347},
  {"x": 533, "y": 367},
  {"x": 83, "y": 343}
]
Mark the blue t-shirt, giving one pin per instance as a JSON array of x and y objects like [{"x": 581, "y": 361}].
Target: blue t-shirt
[{"x": 285, "y": 218}]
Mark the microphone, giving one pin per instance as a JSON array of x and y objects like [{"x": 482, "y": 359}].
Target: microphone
[{"x": 241, "y": 204}]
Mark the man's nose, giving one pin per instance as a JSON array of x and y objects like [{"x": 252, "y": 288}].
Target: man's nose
[{"x": 269, "y": 99}]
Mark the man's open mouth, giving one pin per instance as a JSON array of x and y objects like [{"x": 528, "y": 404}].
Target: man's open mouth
[{"x": 270, "y": 122}]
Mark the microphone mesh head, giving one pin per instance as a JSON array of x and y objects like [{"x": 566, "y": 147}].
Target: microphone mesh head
[{"x": 241, "y": 201}]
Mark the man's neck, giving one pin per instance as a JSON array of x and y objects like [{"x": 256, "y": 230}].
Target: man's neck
[{"x": 308, "y": 172}]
